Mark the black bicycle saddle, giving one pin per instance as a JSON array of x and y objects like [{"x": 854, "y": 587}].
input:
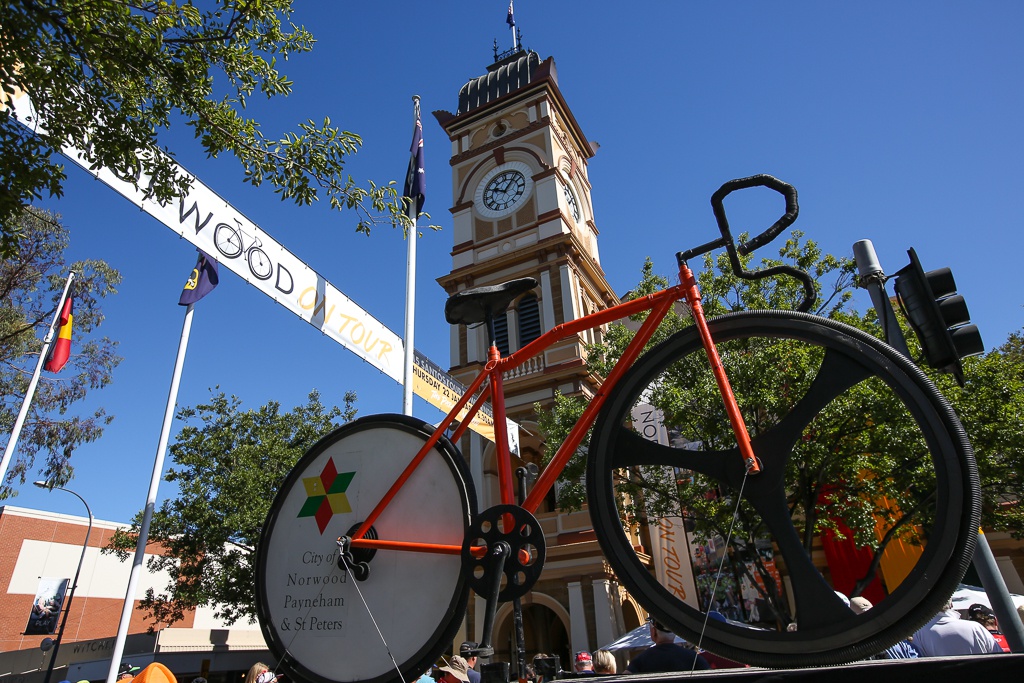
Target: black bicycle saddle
[{"x": 481, "y": 303}]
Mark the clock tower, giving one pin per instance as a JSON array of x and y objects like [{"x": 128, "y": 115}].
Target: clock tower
[{"x": 521, "y": 207}]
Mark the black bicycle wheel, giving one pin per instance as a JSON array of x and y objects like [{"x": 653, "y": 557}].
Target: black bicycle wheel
[
  {"x": 259, "y": 264},
  {"x": 227, "y": 240},
  {"x": 321, "y": 623},
  {"x": 854, "y": 441}
]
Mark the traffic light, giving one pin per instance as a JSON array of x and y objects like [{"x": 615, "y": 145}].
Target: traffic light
[{"x": 938, "y": 316}]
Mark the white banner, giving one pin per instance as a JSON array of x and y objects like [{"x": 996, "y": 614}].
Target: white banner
[
  {"x": 670, "y": 548},
  {"x": 212, "y": 224}
]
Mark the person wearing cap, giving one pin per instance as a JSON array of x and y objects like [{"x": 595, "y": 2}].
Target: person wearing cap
[
  {"x": 468, "y": 652},
  {"x": 947, "y": 635},
  {"x": 583, "y": 664},
  {"x": 457, "y": 671},
  {"x": 666, "y": 655},
  {"x": 984, "y": 616},
  {"x": 904, "y": 649}
]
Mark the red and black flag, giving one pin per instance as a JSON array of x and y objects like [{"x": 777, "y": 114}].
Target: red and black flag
[{"x": 60, "y": 349}]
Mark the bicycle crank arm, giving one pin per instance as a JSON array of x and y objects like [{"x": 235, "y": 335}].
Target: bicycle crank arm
[{"x": 495, "y": 562}]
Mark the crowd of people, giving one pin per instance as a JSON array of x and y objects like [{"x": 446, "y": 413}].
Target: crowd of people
[
  {"x": 156, "y": 672},
  {"x": 946, "y": 634},
  {"x": 665, "y": 655}
]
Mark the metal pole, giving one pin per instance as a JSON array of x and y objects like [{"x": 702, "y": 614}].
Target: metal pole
[
  {"x": 147, "y": 516},
  {"x": 410, "y": 295},
  {"x": 872, "y": 278},
  {"x": 515, "y": 43},
  {"x": 12, "y": 443},
  {"x": 74, "y": 584},
  {"x": 998, "y": 594},
  {"x": 517, "y": 602}
]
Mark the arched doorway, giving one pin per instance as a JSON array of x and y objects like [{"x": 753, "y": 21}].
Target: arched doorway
[{"x": 545, "y": 626}]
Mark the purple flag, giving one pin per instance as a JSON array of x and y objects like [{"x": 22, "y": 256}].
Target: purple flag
[
  {"x": 415, "y": 178},
  {"x": 201, "y": 282}
]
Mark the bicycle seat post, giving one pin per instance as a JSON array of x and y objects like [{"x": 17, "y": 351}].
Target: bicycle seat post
[{"x": 492, "y": 338}]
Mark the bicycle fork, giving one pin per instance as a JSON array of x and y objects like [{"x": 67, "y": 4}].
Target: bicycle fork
[{"x": 739, "y": 427}]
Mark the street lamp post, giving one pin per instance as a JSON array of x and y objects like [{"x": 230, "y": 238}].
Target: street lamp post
[{"x": 74, "y": 583}]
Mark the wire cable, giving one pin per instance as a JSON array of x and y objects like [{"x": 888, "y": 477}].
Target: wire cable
[{"x": 721, "y": 563}]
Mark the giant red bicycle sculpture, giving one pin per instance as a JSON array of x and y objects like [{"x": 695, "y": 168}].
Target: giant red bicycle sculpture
[{"x": 374, "y": 539}]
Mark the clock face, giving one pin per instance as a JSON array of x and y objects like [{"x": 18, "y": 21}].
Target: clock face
[
  {"x": 503, "y": 190},
  {"x": 570, "y": 200}
]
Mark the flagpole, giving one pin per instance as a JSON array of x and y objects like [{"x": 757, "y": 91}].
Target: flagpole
[
  {"x": 12, "y": 443},
  {"x": 512, "y": 26},
  {"x": 410, "y": 293},
  {"x": 147, "y": 516}
]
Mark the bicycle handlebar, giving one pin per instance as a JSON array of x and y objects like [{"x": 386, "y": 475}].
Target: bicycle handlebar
[
  {"x": 734, "y": 251},
  {"x": 761, "y": 180}
]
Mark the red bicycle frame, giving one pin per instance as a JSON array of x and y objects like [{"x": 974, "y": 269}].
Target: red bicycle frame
[{"x": 659, "y": 305}]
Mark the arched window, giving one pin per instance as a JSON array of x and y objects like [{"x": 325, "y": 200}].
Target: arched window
[{"x": 529, "y": 319}]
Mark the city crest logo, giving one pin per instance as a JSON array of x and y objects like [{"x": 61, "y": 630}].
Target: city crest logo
[{"x": 326, "y": 495}]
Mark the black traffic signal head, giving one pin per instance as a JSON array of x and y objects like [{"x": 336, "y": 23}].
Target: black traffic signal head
[{"x": 938, "y": 316}]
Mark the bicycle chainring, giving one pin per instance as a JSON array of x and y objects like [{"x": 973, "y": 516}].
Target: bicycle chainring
[{"x": 522, "y": 532}]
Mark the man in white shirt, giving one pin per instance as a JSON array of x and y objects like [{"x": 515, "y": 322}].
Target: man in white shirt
[{"x": 946, "y": 634}]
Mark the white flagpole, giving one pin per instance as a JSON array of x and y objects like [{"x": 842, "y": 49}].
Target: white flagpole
[
  {"x": 147, "y": 516},
  {"x": 410, "y": 295},
  {"x": 12, "y": 443},
  {"x": 515, "y": 42}
]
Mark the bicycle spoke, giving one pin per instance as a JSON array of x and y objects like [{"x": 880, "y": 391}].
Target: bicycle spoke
[
  {"x": 817, "y": 605},
  {"x": 631, "y": 450},
  {"x": 837, "y": 374}
]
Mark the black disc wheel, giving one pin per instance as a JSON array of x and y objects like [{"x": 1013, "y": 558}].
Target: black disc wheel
[
  {"x": 868, "y": 488},
  {"x": 319, "y": 621}
]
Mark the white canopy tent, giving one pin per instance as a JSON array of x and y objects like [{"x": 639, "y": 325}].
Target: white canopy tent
[
  {"x": 966, "y": 595},
  {"x": 638, "y": 638}
]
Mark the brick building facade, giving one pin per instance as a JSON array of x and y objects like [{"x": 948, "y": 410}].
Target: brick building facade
[{"x": 37, "y": 545}]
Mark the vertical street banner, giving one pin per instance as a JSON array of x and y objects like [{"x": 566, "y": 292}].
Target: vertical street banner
[
  {"x": 220, "y": 230},
  {"x": 42, "y": 618},
  {"x": 670, "y": 547}
]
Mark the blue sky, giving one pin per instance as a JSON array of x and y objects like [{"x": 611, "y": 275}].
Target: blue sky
[{"x": 896, "y": 122}]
